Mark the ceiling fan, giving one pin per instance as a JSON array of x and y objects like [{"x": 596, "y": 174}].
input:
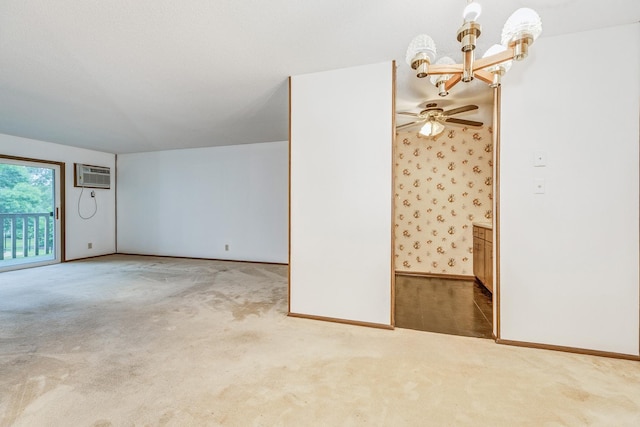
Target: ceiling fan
[{"x": 432, "y": 116}]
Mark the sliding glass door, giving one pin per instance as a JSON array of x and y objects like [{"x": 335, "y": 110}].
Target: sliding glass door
[{"x": 29, "y": 214}]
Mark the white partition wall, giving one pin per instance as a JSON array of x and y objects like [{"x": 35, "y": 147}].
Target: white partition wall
[
  {"x": 569, "y": 256},
  {"x": 226, "y": 202},
  {"x": 341, "y": 194}
]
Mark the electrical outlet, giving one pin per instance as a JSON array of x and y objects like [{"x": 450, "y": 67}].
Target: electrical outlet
[
  {"x": 226, "y": 247},
  {"x": 93, "y": 194},
  {"x": 89, "y": 245}
]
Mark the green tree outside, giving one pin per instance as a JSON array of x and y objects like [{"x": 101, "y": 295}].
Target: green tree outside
[{"x": 25, "y": 189}]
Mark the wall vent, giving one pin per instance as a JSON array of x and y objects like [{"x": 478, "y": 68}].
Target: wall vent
[{"x": 92, "y": 176}]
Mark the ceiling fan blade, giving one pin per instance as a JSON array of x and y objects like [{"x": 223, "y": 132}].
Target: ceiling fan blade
[
  {"x": 459, "y": 110},
  {"x": 406, "y": 125},
  {"x": 406, "y": 113},
  {"x": 463, "y": 122}
]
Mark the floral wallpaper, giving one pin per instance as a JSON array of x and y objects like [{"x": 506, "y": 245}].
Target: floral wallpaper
[{"x": 442, "y": 185}]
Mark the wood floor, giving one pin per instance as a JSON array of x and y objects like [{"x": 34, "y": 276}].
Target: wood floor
[{"x": 448, "y": 306}]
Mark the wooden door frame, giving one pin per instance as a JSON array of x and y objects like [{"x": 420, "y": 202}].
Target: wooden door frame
[
  {"x": 496, "y": 211},
  {"x": 61, "y": 165}
]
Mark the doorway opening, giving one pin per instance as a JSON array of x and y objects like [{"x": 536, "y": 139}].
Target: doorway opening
[
  {"x": 445, "y": 187},
  {"x": 30, "y": 214}
]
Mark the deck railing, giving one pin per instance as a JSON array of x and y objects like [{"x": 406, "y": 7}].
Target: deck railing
[{"x": 26, "y": 234}]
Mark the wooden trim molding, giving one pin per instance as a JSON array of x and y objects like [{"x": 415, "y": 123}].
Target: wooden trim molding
[
  {"x": 496, "y": 208},
  {"x": 191, "y": 257},
  {"x": 289, "y": 209},
  {"x": 63, "y": 215},
  {"x": 435, "y": 275},
  {"x": 28, "y": 159},
  {"x": 569, "y": 349},
  {"x": 115, "y": 201},
  {"x": 343, "y": 321},
  {"x": 101, "y": 256},
  {"x": 393, "y": 199}
]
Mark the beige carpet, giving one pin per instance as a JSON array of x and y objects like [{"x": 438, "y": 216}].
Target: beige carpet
[{"x": 137, "y": 341}]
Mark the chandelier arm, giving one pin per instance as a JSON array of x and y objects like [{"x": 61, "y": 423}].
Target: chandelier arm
[
  {"x": 484, "y": 75},
  {"x": 455, "y": 79},
  {"x": 445, "y": 69},
  {"x": 498, "y": 58},
  {"x": 467, "y": 65}
]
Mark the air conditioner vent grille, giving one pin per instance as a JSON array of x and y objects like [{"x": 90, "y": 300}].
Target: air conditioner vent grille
[{"x": 92, "y": 176}]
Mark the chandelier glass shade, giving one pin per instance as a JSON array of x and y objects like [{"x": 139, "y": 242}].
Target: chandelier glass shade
[
  {"x": 523, "y": 24},
  {"x": 422, "y": 52},
  {"x": 521, "y": 29},
  {"x": 471, "y": 12}
]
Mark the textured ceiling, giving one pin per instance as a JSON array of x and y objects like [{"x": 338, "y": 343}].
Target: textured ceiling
[{"x": 128, "y": 76}]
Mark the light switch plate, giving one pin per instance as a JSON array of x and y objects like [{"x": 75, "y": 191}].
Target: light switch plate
[
  {"x": 539, "y": 159},
  {"x": 539, "y": 186}
]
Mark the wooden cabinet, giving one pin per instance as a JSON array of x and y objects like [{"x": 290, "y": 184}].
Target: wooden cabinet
[
  {"x": 478, "y": 253},
  {"x": 483, "y": 255},
  {"x": 488, "y": 259}
]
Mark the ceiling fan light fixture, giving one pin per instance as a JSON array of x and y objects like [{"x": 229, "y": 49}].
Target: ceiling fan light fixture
[{"x": 431, "y": 128}]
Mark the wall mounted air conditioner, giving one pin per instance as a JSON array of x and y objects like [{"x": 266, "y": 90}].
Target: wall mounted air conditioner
[{"x": 92, "y": 176}]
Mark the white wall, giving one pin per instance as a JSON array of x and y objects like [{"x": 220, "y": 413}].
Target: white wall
[
  {"x": 99, "y": 230},
  {"x": 569, "y": 257},
  {"x": 341, "y": 194},
  {"x": 193, "y": 202}
]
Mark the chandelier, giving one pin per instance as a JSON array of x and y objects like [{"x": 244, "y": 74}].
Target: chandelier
[{"x": 520, "y": 31}]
